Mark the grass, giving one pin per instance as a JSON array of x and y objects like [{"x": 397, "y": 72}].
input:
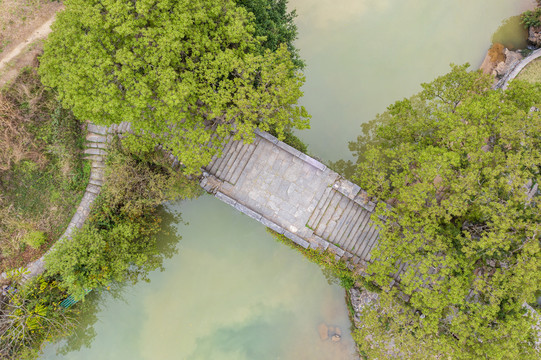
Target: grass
[
  {"x": 532, "y": 72},
  {"x": 42, "y": 173}
]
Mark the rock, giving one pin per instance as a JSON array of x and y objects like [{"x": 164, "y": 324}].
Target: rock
[
  {"x": 495, "y": 55},
  {"x": 323, "y": 331},
  {"x": 534, "y": 35},
  {"x": 338, "y": 331},
  {"x": 361, "y": 299},
  {"x": 500, "y": 69},
  {"x": 499, "y": 60},
  {"x": 336, "y": 338}
]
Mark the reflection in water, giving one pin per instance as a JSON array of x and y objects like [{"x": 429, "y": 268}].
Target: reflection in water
[
  {"x": 367, "y": 54},
  {"x": 232, "y": 292},
  {"x": 511, "y": 34}
]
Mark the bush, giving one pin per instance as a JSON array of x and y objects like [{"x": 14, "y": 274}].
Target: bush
[
  {"x": 336, "y": 271},
  {"x": 531, "y": 18},
  {"x": 118, "y": 241},
  {"x": 30, "y": 315},
  {"x": 35, "y": 239}
]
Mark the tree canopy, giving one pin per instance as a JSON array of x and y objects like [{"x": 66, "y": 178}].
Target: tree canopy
[
  {"x": 459, "y": 163},
  {"x": 185, "y": 73},
  {"x": 275, "y": 24}
]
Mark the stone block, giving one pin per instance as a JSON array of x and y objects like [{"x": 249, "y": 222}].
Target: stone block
[
  {"x": 296, "y": 239},
  {"x": 266, "y": 136},
  {"x": 226, "y": 199},
  {"x": 271, "y": 225},
  {"x": 291, "y": 150},
  {"x": 102, "y": 130},
  {"x": 247, "y": 211},
  {"x": 313, "y": 162},
  {"x": 339, "y": 252}
]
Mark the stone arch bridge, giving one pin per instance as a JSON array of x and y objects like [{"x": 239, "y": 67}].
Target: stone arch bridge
[{"x": 295, "y": 195}]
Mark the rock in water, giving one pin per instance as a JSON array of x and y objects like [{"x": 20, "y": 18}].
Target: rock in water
[
  {"x": 323, "y": 331},
  {"x": 336, "y": 338},
  {"x": 338, "y": 331}
]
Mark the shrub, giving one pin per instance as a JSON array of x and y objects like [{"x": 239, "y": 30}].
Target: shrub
[
  {"x": 30, "y": 315},
  {"x": 118, "y": 241},
  {"x": 35, "y": 239},
  {"x": 531, "y": 18}
]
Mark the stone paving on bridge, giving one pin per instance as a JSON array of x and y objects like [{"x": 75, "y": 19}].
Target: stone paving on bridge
[{"x": 294, "y": 195}]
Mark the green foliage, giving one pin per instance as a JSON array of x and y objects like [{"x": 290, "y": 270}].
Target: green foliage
[
  {"x": 336, "y": 271},
  {"x": 275, "y": 24},
  {"x": 118, "y": 242},
  {"x": 531, "y": 18},
  {"x": 457, "y": 162},
  {"x": 187, "y": 72},
  {"x": 292, "y": 140},
  {"x": 35, "y": 239},
  {"x": 42, "y": 173},
  {"x": 31, "y": 315}
]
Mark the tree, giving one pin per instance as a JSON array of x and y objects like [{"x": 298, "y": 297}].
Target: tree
[
  {"x": 118, "y": 242},
  {"x": 185, "y": 73},
  {"x": 30, "y": 315},
  {"x": 273, "y": 22},
  {"x": 460, "y": 164}
]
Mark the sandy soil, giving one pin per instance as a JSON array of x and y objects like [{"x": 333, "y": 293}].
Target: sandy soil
[{"x": 23, "y": 26}]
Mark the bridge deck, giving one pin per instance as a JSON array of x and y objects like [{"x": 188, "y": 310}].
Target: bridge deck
[{"x": 295, "y": 195}]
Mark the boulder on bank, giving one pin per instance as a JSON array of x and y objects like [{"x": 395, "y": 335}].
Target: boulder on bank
[
  {"x": 534, "y": 36},
  {"x": 499, "y": 60}
]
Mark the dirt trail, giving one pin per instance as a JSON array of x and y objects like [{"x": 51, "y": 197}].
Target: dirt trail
[
  {"x": 23, "y": 40},
  {"x": 39, "y": 33}
]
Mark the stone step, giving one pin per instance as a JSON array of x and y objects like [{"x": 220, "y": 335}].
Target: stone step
[
  {"x": 352, "y": 223},
  {"x": 364, "y": 240},
  {"x": 225, "y": 159},
  {"x": 335, "y": 218},
  {"x": 96, "y": 145},
  {"x": 226, "y": 165},
  {"x": 250, "y": 149},
  {"x": 96, "y": 138},
  {"x": 94, "y": 151},
  {"x": 362, "y": 222},
  {"x": 98, "y": 174},
  {"x": 241, "y": 150},
  {"x": 328, "y": 213},
  {"x": 96, "y": 182},
  {"x": 94, "y": 158},
  {"x": 98, "y": 165},
  {"x": 345, "y": 220},
  {"x": 94, "y": 189},
  {"x": 318, "y": 211},
  {"x": 214, "y": 166},
  {"x": 371, "y": 244},
  {"x": 97, "y": 129}
]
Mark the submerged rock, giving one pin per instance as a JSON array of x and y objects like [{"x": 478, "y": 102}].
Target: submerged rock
[
  {"x": 323, "y": 331},
  {"x": 336, "y": 338}
]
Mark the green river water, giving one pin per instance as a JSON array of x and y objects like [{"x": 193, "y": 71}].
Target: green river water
[{"x": 232, "y": 291}]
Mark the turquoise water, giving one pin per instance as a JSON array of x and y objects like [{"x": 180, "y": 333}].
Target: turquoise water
[{"x": 232, "y": 291}]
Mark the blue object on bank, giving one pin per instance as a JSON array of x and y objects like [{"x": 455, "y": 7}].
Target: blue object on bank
[{"x": 70, "y": 300}]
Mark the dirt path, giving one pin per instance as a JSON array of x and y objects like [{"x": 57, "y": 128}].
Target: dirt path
[{"x": 23, "y": 29}]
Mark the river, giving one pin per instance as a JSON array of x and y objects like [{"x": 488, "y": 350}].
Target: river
[{"x": 232, "y": 291}]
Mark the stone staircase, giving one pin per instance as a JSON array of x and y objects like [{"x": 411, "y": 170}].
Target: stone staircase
[
  {"x": 345, "y": 223},
  {"x": 231, "y": 164}
]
